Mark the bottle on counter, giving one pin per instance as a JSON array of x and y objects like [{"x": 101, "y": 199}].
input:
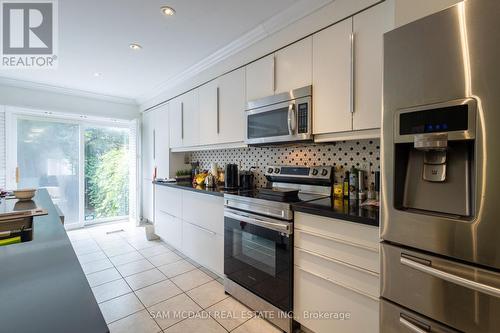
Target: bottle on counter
[
  {"x": 361, "y": 185},
  {"x": 346, "y": 185},
  {"x": 377, "y": 185},
  {"x": 353, "y": 184}
]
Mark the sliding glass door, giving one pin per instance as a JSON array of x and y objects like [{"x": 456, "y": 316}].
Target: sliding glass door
[
  {"x": 85, "y": 167},
  {"x": 48, "y": 156},
  {"x": 106, "y": 173}
]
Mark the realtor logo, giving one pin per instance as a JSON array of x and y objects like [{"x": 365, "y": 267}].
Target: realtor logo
[{"x": 29, "y": 33}]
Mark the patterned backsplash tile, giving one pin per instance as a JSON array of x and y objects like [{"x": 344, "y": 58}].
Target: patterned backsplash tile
[{"x": 362, "y": 154}]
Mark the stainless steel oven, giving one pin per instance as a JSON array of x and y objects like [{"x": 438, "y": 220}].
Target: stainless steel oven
[
  {"x": 284, "y": 117},
  {"x": 258, "y": 255}
]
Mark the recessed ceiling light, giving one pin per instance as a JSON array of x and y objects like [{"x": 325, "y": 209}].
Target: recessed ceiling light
[
  {"x": 167, "y": 10},
  {"x": 97, "y": 74},
  {"x": 135, "y": 46}
]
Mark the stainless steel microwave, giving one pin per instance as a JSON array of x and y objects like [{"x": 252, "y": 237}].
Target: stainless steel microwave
[{"x": 280, "y": 118}]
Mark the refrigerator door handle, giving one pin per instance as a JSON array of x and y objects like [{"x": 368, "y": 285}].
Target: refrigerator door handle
[
  {"x": 480, "y": 287},
  {"x": 412, "y": 327}
]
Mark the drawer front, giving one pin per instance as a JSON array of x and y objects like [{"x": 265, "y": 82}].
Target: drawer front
[
  {"x": 464, "y": 297},
  {"x": 357, "y": 279},
  {"x": 315, "y": 295},
  {"x": 169, "y": 229},
  {"x": 356, "y": 233},
  {"x": 395, "y": 319},
  {"x": 204, "y": 210},
  {"x": 339, "y": 249},
  {"x": 204, "y": 246},
  {"x": 169, "y": 200}
]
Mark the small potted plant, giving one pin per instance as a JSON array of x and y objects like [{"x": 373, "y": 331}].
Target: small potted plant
[{"x": 183, "y": 176}]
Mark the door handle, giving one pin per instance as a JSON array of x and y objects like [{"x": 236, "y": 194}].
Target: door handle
[
  {"x": 182, "y": 120},
  {"x": 18, "y": 175},
  {"x": 201, "y": 228},
  {"x": 351, "y": 87},
  {"x": 280, "y": 227},
  {"x": 218, "y": 110},
  {"x": 291, "y": 119},
  {"x": 464, "y": 282},
  {"x": 411, "y": 326}
]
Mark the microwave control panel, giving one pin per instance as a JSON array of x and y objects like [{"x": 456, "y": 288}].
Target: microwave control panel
[{"x": 302, "y": 118}]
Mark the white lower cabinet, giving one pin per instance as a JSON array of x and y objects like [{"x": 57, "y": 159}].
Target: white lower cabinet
[
  {"x": 169, "y": 229},
  {"x": 336, "y": 275},
  {"x": 204, "y": 210},
  {"x": 192, "y": 223},
  {"x": 204, "y": 246},
  {"x": 315, "y": 296}
]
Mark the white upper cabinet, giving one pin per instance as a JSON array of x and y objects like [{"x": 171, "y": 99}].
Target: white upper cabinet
[
  {"x": 332, "y": 79},
  {"x": 368, "y": 28},
  {"x": 231, "y": 112},
  {"x": 147, "y": 133},
  {"x": 260, "y": 78},
  {"x": 294, "y": 66},
  {"x": 190, "y": 119},
  {"x": 209, "y": 112},
  {"x": 161, "y": 141},
  {"x": 175, "y": 122}
]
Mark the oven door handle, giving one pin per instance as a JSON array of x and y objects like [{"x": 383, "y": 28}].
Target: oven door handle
[{"x": 281, "y": 227}]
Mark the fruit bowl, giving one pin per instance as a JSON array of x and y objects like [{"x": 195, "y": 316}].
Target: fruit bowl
[{"x": 25, "y": 194}]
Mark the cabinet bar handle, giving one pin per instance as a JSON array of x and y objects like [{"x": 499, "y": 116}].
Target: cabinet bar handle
[
  {"x": 182, "y": 120},
  {"x": 218, "y": 110},
  {"x": 154, "y": 144},
  {"x": 352, "y": 72},
  {"x": 201, "y": 228},
  {"x": 274, "y": 73}
]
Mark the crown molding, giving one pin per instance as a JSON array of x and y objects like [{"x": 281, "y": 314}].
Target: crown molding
[
  {"x": 65, "y": 91},
  {"x": 271, "y": 26}
]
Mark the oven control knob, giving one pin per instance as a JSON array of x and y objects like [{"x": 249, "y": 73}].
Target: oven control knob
[
  {"x": 277, "y": 170},
  {"x": 324, "y": 172},
  {"x": 270, "y": 170},
  {"x": 315, "y": 172}
]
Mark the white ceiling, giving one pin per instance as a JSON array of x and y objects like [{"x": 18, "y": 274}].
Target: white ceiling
[{"x": 94, "y": 36}]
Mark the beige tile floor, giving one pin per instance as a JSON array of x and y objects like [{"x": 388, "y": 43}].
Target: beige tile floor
[{"x": 148, "y": 287}]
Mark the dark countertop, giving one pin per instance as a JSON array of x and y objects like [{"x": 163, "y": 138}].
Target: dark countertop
[
  {"x": 218, "y": 191},
  {"x": 348, "y": 210},
  {"x": 42, "y": 284}
]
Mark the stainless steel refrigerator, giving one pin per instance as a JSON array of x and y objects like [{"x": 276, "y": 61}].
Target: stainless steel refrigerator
[{"x": 440, "y": 222}]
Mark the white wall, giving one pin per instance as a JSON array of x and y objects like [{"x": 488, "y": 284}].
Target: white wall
[{"x": 66, "y": 103}]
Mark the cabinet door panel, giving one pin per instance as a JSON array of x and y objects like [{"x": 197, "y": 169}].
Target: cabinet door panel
[
  {"x": 175, "y": 122},
  {"x": 169, "y": 229},
  {"x": 332, "y": 79},
  {"x": 232, "y": 107},
  {"x": 369, "y": 27},
  {"x": 147, "y": 199},
  {"x": 204, "y": 246},
  {"x": 161, "y": 141},
  {"x": 260, "y": 78},
  {"x": 294, "y": 66},
  {"x": 190, "y": 116},
  {"x": 147, "y": 145},
  {"x": 208, "y": 112}
]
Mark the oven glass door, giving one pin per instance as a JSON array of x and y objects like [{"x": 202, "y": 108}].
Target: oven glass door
[
  {"x": 260, "y": 260},
  {"x": 267, "y": 124}
]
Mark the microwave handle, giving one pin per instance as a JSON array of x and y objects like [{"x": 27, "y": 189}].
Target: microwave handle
[{"x": 291, "y": 119}]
